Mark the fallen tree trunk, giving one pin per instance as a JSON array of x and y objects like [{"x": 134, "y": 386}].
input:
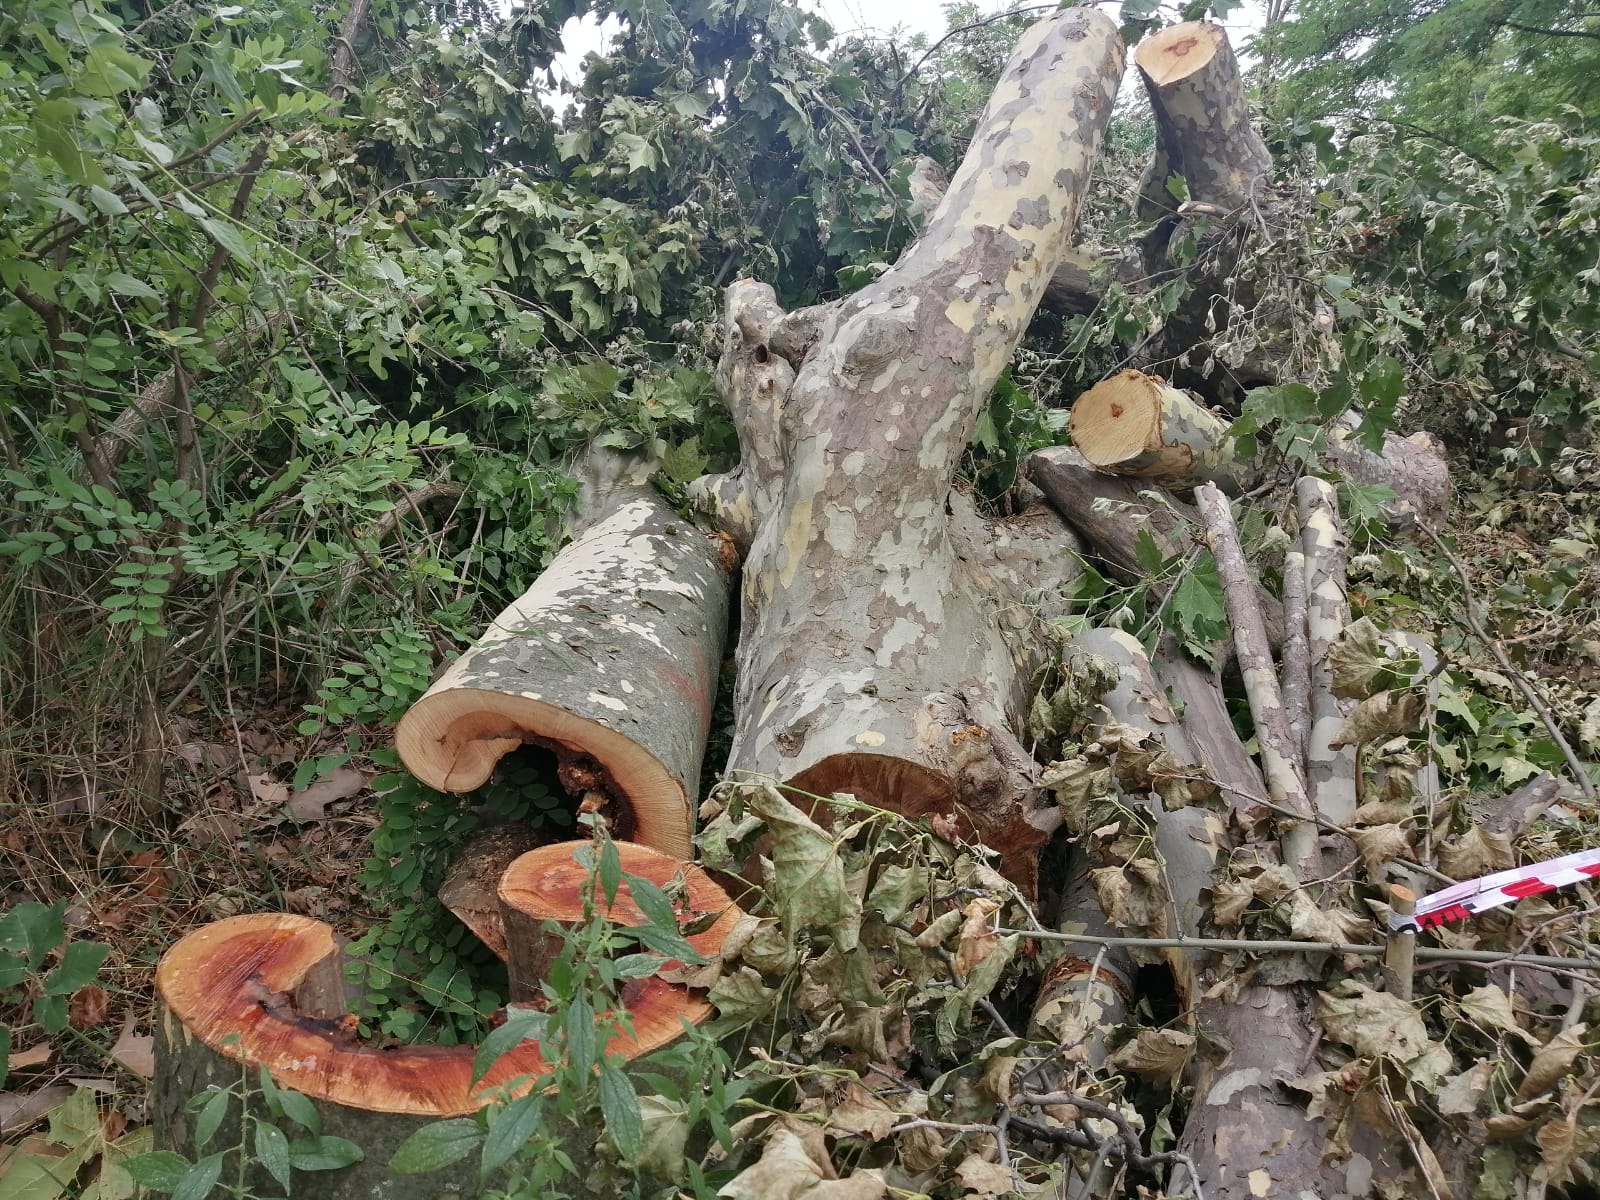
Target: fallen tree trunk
[
  {"x": 1135, "y": 424},
  {"x": 610, "y": 660},
  {"x": 869, "y": 661}
]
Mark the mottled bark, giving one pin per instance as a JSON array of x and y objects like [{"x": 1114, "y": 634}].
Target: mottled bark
[
  {"x": 1280, "y": 761},
  {"x": 1414, "y": 466},
  {"x": 610, "y": 659},
  {"x": 1330, "y": 773},
  {"x": 1138, "y": 425},
  {"x": 871, "y": 661},
  {"x": 1296, "y": 665}
]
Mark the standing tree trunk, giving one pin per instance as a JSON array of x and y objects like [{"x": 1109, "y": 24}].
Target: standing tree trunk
[{"x": 871, "y": 660}]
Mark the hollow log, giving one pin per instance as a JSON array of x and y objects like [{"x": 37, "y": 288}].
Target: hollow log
[
  {"x": 870, "y": 661},
  {"x": 547, "y": 885},
  {"x": 610, "y": 659},
  {"x": 1136, "y": 424}
]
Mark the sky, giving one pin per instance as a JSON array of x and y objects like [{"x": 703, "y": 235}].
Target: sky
[{"x": 877, "y": 16}]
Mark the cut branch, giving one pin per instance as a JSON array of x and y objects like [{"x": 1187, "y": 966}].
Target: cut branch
[{"x": 1135, "y": 424}]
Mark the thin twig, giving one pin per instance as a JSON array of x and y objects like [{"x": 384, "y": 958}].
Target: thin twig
[{"x": 1487, "y": 958}]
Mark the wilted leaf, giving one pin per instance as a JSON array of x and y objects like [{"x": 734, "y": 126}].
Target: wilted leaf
[
  {"x": 665, "y": 1133},
  {"x": 808, "y": 875},
  {"x": 90, "y": 1006},
  {"x": 1373, "y": 1023},
  {"x": 1381, "y": 717},
  {"x": 862, "y": 1112},
  {"x": 982, "y": 1178},
  {"x": 1490, "y": 1007},
  {"x": 1553, "y": 1062},
  {"x": 1564, "y": 1142},
  {"x": 1230, "y": 898},
  {"x": 1477, "y": 853},
  {"x": 311, "y": 803},
  {"x": 978, "y": 939},
  {"x": 785, "y": 1171},
  {"x": 1159, "y": 1055},
  {"x": 1459, "y": 1094},
  {"x": 1379, "y": 844},
  {"x": 1309, "y": 923},
  {"x": 742, "y": 998},
  {"x": 1361, "y": 662}
]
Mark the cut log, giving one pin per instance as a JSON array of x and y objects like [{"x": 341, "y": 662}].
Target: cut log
[
  {"x": 226, "y": 1010},
  {"x": 610, "y": 659},
  {"x": 1135, "y": 424},
  {"x": 871, "y": 662},
  {"x": 548, "y": 884},
  {"x": 1414, "y": 466},
  {"x": 1205, "y": 131},
  {"x": 226, "y": 995}
]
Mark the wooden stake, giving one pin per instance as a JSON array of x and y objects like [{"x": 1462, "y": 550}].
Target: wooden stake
[{"x": 1400, "y": 951}]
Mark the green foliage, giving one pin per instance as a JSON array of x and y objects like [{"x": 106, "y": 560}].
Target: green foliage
[
  {"x": 274, "y": 1133},
  {"x": 35, "y": 981},
  {"x": 1440, "y": 69},
  {"x": 583, "y": 1126}
]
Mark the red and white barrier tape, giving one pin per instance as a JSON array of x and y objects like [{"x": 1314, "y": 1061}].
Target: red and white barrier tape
[{"x": 1462, "y": 900}]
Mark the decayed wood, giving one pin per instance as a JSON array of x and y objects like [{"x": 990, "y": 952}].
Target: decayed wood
[
  {"x": 1136, "y": 424},
  {"x": 1331, "y": 773},
  {"x": 548, "y": 884},
  {"x": 1110, "y": 511},
  {"x": 471, "y": 889},
  {"x": 1280, "y": 762},
  {"x": 870, "y": 662},
  {"x": 610, "y": 659}
]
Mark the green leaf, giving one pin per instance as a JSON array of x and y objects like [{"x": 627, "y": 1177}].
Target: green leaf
[
  {"x": 1148, "y": 553},
  {"x": 227, "y": 235},
  {"x": 325, "y": 1153},
  {"x": 126, "y": 285},
  {"x": 32, "y": 930},
  {"x": 301, "y": 1111},
  {"x": 162, "y": 1170},
  {"x": 210, "y": 1118},
  {"x": 5, "y": 1053},
  {"x": 78, "y": 967},
  {"x": 619, "y": 1106},
  {"x": 522, "y": 1024},
  {"x": 610, "y": 873},
  {"x": 199, "y": 1179},
  {"x": 272, "y": 1150},
  {"x": 509, "y": 1131},
  {"x": 436, "y": 1146},
  {"x": 582, "y": 1042}
]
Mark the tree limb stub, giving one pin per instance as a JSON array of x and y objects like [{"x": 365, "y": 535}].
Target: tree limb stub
[
  {"x": 1135, "y": 424},
  {"x": 547, "y": 884},
  {"x": 611, "y": 658},
  {"x": 870, "y": 663}
]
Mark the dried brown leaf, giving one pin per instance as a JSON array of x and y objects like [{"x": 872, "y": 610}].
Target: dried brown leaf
[
  {"x": 1379, "y": 844},
  {"x": 1553, "y": 1062},
  {"x": 1229, "y": 899},
  {"x": 983, "y": 1179},
  {"x": 1380, "y": 717},
  {"x": 1159, "y": 1055},
  {"x": 862, "y": 1112},
  {"x": 978, "y": 938},
  {"x": 90, "y": 1006},
  {"x": 1477, "y": 853},
  {"x": 1563, "y": 1143},
  {"x": 1490, "y": 1007},
  {"x": 1459, "y": 1094},
  {"x": 310, "y": 803}
]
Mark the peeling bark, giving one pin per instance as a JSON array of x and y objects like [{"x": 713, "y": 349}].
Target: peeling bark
[{"x": 872, "y": 660}]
